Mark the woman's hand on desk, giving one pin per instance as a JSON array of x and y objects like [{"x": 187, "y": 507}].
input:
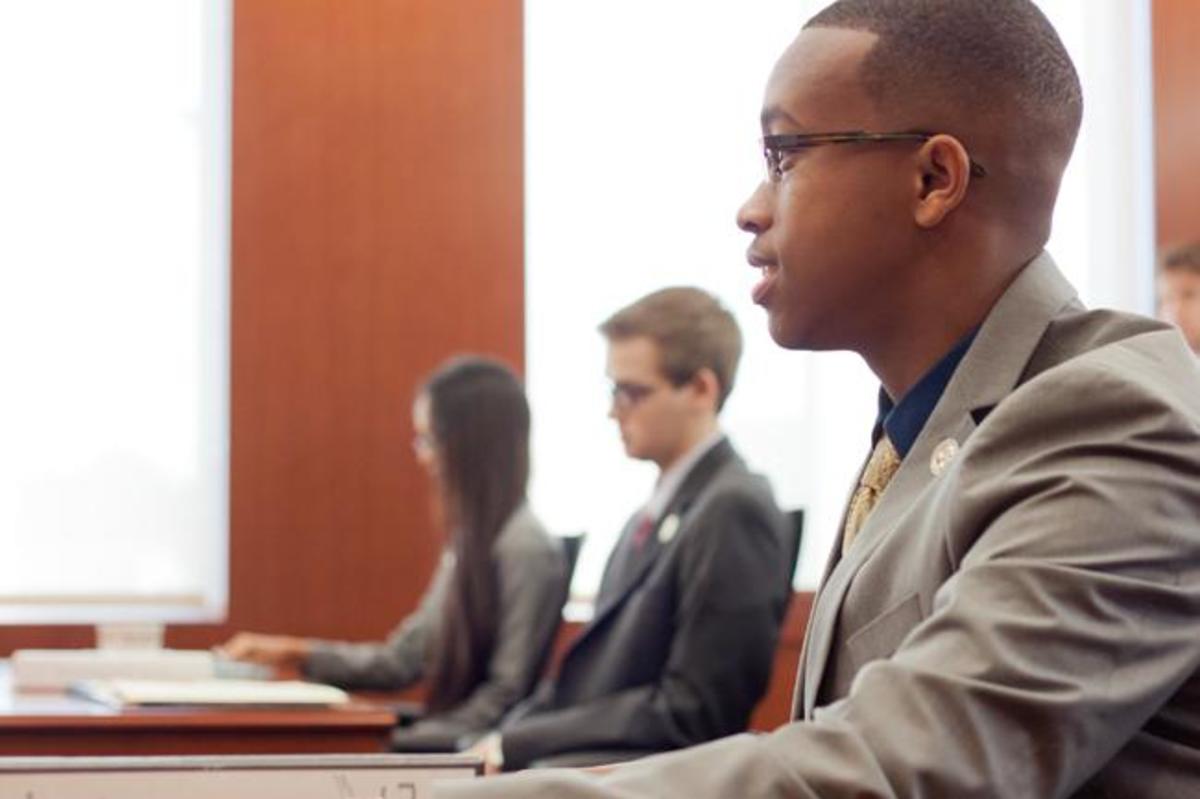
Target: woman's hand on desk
[{"x": 270, "y": 650}]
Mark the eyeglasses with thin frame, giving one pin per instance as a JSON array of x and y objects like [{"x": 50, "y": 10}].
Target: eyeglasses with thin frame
[
  {"x": 774, "y": 147},
  {"x": 626, "y": 396}
]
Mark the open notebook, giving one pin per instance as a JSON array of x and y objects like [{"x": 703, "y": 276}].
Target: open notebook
[{"x": 217, "y": 693}]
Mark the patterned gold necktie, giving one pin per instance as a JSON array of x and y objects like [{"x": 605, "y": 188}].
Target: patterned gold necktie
[{"x": 881, "y": 467}]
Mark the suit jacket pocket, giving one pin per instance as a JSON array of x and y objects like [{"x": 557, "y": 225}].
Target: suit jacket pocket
[{"x": 881, "y": 636}]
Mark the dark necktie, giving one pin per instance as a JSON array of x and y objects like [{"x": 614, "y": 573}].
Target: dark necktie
[{"x": 641, "y": 533}]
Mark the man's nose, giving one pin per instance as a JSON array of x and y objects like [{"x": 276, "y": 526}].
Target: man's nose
[{"x": 755, "y": 215}]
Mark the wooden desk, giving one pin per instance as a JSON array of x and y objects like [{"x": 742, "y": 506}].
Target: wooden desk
[{"x": 54, "y": 724}]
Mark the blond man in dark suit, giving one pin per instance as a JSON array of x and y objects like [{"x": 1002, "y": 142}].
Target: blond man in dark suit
[{"x": 683, "y": 638}]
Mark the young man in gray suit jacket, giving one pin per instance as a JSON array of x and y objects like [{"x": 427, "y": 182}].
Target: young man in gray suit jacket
[
  {"x": 681, "y": 645},
  {"x": 1013, "y": 605}
]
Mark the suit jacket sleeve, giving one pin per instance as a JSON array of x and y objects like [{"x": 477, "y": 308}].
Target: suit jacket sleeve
[
  {"x": 395, "y": 663},
  {"x": 539, "y": 701},
  {"x": 1069, "y": 621},
  {"x": 733, "y": 588}
]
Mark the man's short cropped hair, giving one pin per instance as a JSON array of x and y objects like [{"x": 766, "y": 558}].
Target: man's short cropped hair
[
  {"x": 1185, "y": 258},
  {"x": 1002, "y": 56},
  {"x": 692, "y": 329}
]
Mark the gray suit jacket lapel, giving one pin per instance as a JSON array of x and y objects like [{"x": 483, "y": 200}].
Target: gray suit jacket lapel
[{"x": 989, "y": 371}]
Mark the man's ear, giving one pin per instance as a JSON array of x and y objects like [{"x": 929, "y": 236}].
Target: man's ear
[
  {"x": 706, "y": 385},
  {"x": 945, "y": 174}
]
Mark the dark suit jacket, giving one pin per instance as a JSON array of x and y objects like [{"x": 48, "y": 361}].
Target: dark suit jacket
[{"x": 681, "y": 646}]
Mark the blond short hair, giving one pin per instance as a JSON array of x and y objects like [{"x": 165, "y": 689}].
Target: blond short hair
[{"x": 692, "y": 329}]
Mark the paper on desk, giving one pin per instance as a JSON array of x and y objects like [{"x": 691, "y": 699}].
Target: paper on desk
[{"x": 220, "y": 693}]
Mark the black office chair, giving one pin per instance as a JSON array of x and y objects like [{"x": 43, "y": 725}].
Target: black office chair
[
  {"x": 797, "y": 519},
  {"x": 571, "y": 545}
]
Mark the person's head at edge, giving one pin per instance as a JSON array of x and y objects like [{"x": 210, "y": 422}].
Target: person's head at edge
[
  {"x": 472, "y": 435},
  {"x": 672, "y": 360},
  {"x": 1179, "y": 291},
  {"x": 897, "y": 249}
]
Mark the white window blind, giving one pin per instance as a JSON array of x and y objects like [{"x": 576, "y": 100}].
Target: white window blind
[{"x": 114, "y": 201}]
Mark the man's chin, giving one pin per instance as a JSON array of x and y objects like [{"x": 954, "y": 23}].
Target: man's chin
[
  {"x": 634, "y": 452},
  {"x": 786, "y": 334},
  {"x": 793, "y": 336}
]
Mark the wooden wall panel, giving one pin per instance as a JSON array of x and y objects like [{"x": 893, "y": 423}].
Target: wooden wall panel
[
  {"x": 1176, "y": 29},
  {"x": 377, "y": 228}
]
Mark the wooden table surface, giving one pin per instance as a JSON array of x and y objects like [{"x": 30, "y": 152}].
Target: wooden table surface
[{"x": 58, "y": 724}]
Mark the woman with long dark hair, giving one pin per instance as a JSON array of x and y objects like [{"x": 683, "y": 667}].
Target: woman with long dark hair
[{"x": 484, "y": 625}]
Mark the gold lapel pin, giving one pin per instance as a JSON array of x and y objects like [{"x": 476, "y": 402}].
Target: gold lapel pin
[{"x": 943, "y": 454}]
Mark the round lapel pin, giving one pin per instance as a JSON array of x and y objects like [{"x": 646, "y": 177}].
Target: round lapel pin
[
  {"x": 943, "y": 454},
  {"x": 668, "y": 528}
]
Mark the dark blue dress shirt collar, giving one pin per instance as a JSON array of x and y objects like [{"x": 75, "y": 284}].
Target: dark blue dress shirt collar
[{"x": 905, "y": 419}]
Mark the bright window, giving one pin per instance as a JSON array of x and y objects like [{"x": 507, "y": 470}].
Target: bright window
[
  {"x": 642, "y": 123},
  {"x": 114, "y": 309}
]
